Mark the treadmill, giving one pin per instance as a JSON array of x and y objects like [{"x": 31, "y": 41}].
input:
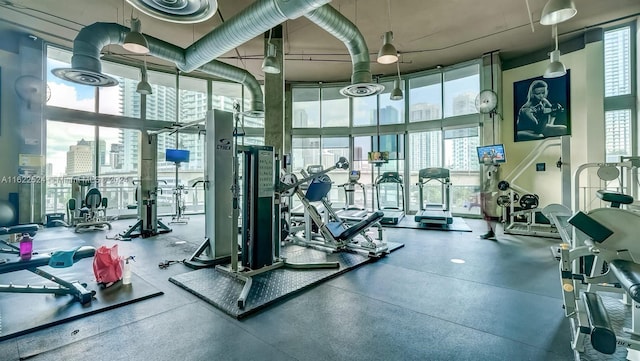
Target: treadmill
[
  {"x": 351, "y": 211},
  {"x": 434, "y": 213},
  {"x": 392, "y": 215}
]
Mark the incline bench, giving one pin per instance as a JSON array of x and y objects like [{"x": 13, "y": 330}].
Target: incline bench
[{"x": 59, "y": 259}]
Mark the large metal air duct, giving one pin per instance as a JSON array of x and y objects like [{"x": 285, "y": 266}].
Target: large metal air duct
[
  {"x": 86, "y": 67},
  {"x": 256, "y": 19},
  {"x": 342, "y": 28}
]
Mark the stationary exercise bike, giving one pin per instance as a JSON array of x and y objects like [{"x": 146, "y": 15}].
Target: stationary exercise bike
[{"x": 602, "y": 255}]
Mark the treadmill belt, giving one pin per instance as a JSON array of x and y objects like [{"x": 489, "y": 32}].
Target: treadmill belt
[{"x": 458, "y": 225}]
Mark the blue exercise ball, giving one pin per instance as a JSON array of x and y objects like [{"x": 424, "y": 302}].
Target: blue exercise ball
[{"x": 7, "y": 214}]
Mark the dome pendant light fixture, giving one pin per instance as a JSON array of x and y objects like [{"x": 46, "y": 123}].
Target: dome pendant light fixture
[
  {"x": 396, "y": 93},
  {"x": 270, "y": 63},
  {"x": 135, "y": 42},
  {"x": 557, "y": 11},
  {"x": 143, "y": 86},
  {"x": 556, "y": 67},
  {"x": 388, "y": 53}
]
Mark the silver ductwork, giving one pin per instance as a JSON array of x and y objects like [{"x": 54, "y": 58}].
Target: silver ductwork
[
  {"x": 342, "y": 28},
  {"x": 256, "y": 19},
  {"x": 241, "y": 76},
  {"x": 86, "y": 67}
]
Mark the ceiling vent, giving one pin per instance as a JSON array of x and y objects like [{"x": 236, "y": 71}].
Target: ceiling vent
[
  {"x": 177, "y": 11},
  {"x": 361, "y": 90},
  {"x": 85, "y": 77}
]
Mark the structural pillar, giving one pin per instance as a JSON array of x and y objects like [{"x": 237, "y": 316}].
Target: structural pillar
[{"x": 274, "y": 96}]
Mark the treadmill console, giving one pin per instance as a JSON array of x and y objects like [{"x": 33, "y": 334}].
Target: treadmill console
[
  {"x": 354, "y": 176},
  {"x": 314, "y": 169}
]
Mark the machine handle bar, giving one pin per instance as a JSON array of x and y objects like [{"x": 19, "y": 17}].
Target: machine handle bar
[{"x": 342, "y": 163}]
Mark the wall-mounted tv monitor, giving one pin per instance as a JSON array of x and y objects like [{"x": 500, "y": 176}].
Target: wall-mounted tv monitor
[
  {"x": 177, "y": 155},
  {"x": 491, "y": 154},
  {"x": 378, "y": 157}
]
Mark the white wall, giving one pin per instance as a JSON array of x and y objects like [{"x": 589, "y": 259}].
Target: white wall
[{"x": 587, "y": 122}]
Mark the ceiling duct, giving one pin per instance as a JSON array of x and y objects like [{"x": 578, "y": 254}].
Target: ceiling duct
[
  {"x": 253, "y": 21},
  {"x": 86, "y": 67},
  {"x": 177, "y": 11},
  {"x": 342, "y": 28}
]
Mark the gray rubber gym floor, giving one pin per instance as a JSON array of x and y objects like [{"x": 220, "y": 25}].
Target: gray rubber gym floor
[{"x": 502, "y": 303}]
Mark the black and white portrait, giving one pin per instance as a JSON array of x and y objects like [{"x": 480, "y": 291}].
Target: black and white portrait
[{"x": 541, "y": 108}]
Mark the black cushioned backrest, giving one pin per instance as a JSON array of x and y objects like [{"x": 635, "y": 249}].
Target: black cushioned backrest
[
  {"x": 352, "y": 231},
  {"x": 93, "y": 198}
]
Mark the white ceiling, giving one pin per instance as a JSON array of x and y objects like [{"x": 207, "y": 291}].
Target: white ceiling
[{"x": 427, "y": 32}]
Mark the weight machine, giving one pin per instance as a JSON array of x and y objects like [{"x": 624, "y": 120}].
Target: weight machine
[
  {"x": 87, "y": 209},
  {"x": 148, "y": 224},
  {"x": 335, "y": 234},
  {"x": 178, "y": 198},
  {"x": 608, "y": 237},
  {"x": 521, "y": 213}
]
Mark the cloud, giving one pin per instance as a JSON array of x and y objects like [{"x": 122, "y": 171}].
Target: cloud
[{"x": 66, "y": 96}]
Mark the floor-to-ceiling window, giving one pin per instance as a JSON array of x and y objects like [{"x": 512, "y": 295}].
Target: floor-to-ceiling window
[
  {"x": 461, "y": 158},
  {"x": 92, "y": 145},
  {"x": 438, "y": 106},
  {"x": 620, "y": 93}
]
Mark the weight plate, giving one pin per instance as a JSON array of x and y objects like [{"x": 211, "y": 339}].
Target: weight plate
[
  {"x": 503, "y": 200},
  {"x": 529, "y": 201},
  {"x": 288, "y": 179},
  {"x": 503, "y": 185}
]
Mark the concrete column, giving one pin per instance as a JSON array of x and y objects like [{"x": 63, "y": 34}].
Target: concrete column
[
  {"x": 274, "y": 96},
  {"x": 32, "y": 129},
  {"x": 491, "y": 78}
]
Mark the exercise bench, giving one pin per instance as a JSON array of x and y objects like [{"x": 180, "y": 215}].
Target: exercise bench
[
  {"x": 58, "y": 259},
  {"x": 30, "y": 229}
]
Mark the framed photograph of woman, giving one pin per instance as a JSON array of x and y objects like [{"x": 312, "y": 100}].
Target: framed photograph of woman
[{"x": 541, "y": 108}]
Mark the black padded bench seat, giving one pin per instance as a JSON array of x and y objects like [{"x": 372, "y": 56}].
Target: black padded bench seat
[
  {"x": 59, "y": 259},
  {"x": 616, "y": 198},
  {"x": 341, "y": 232},
  {"x": 19, "y": 229},
  {"x": 628, "y": 274},
  {"x": 39, "y": 260}
]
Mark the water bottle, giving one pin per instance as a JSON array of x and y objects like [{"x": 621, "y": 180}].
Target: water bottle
[
  {"x": 126, "y": 272},
  {"x": 26, "y": 247}
]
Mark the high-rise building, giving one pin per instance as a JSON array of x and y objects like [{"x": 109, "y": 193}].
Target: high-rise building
[
  {"x": 102, "y": 153},
  {"x": 464, "y": 154},
  {"x": 617, "y": 82},
  {"x": 425, "y": 150},
  {"x": 161, "y": 105},
  {"x": 80, "y": 158},
  {"x": 388, "y": 115},
  {"x": 116, "y": 156},
  {"x": 424, "y": 111},
  {"x": 617, "y": 62},
  {"x": 464, "y": 103}
]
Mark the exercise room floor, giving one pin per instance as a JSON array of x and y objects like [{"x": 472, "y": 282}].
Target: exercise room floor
[{"x": 502, "y": 303}]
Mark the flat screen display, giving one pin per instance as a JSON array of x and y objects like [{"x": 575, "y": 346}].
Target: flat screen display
[
  {"x": 378, "y": 157},
  {"x": 177, "y": 155},
  {"x": 491, "y": 154}
]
